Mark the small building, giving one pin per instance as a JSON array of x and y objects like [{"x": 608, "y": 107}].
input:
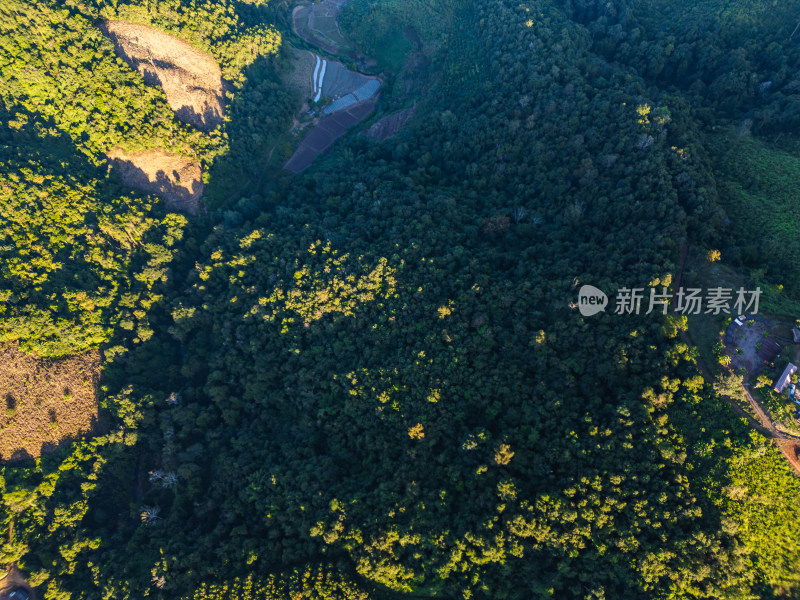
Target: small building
[
  {"x": 769, "y": 350},
  {"x": 796, "y": 335},
  {"x": 783, "y": 380}
]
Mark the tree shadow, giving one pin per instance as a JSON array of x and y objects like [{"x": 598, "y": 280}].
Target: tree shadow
[
  {"x": 177, "y": 194},
  {"x": 19, "y": 455}
]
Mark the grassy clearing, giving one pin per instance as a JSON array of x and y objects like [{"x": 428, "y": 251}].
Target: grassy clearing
[
  {"x": 325, "y": 25},
  {"x": 298, "y": 75},
  {"x": 45, "y": 403},
  {"x": 706, "y": 329}
]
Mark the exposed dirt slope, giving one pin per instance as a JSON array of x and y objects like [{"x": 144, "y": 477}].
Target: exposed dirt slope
[
  {"x": 390, "y": 125},
  {"x": 175, "y": 178},
  {"x": 45, "y": 403},
  {"x": 191, "y": 79},
  {"x": 12, "y": 580},
  {"x": 790, "y": 451}
]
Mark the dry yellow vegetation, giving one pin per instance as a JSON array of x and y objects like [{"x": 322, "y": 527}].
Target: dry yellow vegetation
[
  {"x": 175, "y": 178},
  {"x": 191, "y": 79},
  {"x": 46, "y": 403}
]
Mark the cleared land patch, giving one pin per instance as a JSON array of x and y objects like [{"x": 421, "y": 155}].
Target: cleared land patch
[
  {"x": 791, "y": 450},
  {"x": 388, "y": 126},
  {"x": 191, "y": 79},
  {"x": 299, "y": 77},
  {"x": 13, "y": 579},
  {"x": 354, "y": 97},
  {"x": 175, "y": 178},
  {"x": 750, "y": 345},
  {"x": 46, "y": 404}
]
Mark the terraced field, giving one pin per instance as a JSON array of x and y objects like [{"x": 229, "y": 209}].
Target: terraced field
[
  {"x": 352, "y": 99},
  {"x": 327, "y": 130},
  {"x": 318, "y": 24}
]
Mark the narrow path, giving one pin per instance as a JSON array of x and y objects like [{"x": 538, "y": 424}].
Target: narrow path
[
  {"x": 788, "y": 444},
  {"x": 765, "y": 417},
  {"x": 754, "y": 423}
]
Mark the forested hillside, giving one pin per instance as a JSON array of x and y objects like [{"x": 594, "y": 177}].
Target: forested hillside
[
  {"x": 371, "y": 380},
  {"x": 67, "y": 99}
]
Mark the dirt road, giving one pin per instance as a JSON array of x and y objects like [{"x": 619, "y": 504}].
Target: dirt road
[
  {"x": 788, "y": 444},
  {"x": 12, "y": 580},
  {"x": 765, "y": 418}
]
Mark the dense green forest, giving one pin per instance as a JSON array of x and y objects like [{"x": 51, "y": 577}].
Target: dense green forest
[{"x": 370, "y": 380}]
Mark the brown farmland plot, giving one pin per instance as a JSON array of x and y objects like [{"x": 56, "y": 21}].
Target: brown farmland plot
[
  {"x": 388, "y": 126},
  {"x": 327, "y": 130}
]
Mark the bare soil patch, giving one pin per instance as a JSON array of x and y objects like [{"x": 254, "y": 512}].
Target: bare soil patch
[
  {"x": 750, "y": 345},
  {"x": 191, "y": 79},
  {"x": 390, "y": 125},
  {"x": 45, "y": 404},
  {"x": 13, "y": 580},
  {"x": 790, "y": 451},
  {"x": 175, "y": 178}
]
